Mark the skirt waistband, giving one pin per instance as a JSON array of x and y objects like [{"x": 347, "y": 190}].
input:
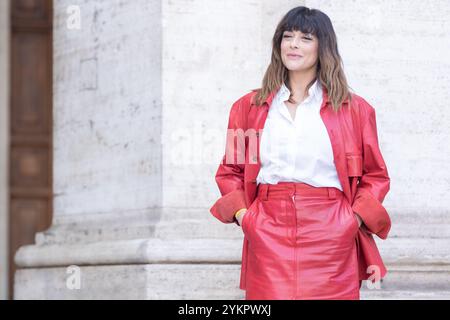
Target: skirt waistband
[{"x": 266, "y": 191}]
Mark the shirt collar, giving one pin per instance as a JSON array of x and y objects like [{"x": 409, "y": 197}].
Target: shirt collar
[
  {"x": 270, "y": 98},
  {"x": 314, "y": 92}
]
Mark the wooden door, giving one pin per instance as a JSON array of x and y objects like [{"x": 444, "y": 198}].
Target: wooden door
[{"x": 30, "y": 199}]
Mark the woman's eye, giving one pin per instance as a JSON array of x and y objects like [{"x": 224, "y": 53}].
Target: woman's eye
[{"x": 288, "y": 36}]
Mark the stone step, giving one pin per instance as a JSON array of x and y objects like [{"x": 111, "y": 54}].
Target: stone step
[
  {"x": 131, "y": 281},
  {"x": 405, "y": 295},
  {"x": 414, "y": 278}
]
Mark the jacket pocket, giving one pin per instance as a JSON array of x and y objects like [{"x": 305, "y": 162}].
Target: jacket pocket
[{"x": 354, "y": 165}]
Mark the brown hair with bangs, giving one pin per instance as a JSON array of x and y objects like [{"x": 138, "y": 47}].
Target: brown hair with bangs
[{"x": 329, "y": 68}]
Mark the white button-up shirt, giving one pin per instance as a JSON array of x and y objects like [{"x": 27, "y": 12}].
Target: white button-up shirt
[{"x": 297, "y": 150}]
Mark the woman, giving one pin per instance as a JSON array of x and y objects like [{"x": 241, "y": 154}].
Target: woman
[{"x": 320, "y": 176}]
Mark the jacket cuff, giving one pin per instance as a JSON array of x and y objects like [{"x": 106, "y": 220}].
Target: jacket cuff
[
  {"x": 373, "y": 214},
  {"x": 226, "y": 206}
]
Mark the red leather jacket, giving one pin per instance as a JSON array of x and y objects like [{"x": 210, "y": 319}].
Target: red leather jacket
[{"x": 359, "y": 164}]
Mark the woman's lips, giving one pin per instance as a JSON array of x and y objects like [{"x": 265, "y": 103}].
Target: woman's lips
[{"x": 294, "y": 56}]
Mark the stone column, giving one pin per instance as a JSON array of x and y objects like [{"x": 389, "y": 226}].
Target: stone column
[
  {"x": 136, "y": 90},
  {"x": 4, "y": 147}
]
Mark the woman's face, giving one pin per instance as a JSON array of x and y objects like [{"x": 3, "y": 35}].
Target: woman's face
[{"x": 304, "y": 46}]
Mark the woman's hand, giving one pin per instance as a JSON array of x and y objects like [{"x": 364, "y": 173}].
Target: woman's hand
[{"x": 240, "y": 217}]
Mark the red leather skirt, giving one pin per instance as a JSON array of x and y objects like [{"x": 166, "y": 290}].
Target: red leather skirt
[{"x": 301, "y": 244}]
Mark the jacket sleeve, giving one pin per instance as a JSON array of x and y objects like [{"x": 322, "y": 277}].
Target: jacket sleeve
[
  {"x": 375, "y": 181},
  {"x": 230, "y": 174}
]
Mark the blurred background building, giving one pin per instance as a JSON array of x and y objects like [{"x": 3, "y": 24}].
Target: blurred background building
[{"x": 113, "y": 118}]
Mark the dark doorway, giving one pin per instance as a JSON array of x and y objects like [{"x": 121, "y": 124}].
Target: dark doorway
[{"x": 30, "y": 173}]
